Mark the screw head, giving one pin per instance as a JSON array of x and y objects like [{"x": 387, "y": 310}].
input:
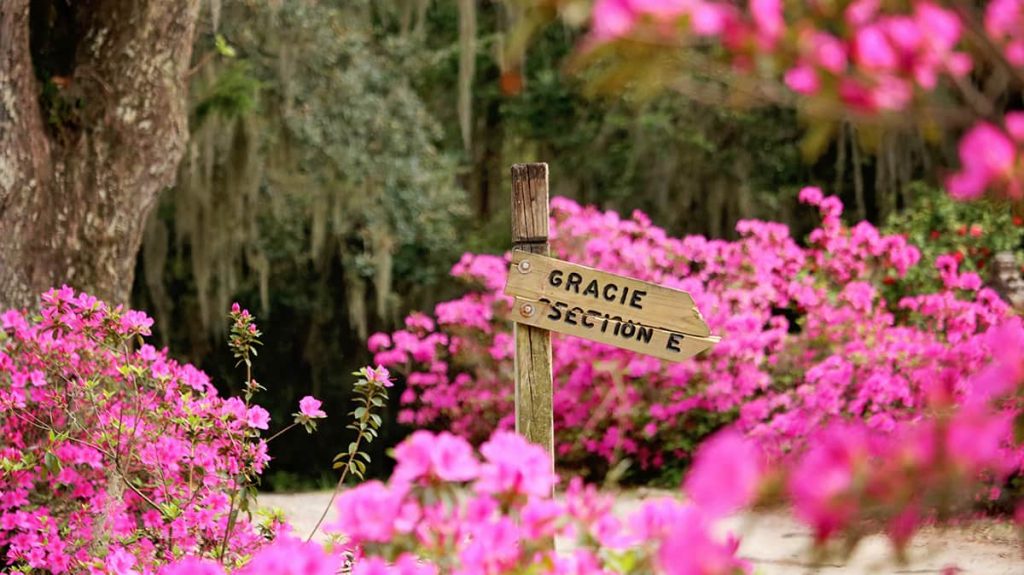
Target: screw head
[
  {"x": 524, "y": 266},
  {"x": 526, "y": 310}
]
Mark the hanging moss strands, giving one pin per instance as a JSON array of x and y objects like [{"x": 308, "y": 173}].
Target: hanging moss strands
[{"x": 311, "y": 121}]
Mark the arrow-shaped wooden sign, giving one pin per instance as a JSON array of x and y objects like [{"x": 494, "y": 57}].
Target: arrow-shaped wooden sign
[{"x": 577, "y": 300}]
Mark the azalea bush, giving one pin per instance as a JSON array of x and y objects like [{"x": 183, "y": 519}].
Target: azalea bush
[
  {"x": 116, "y": 458},
  {"x": 447, "y": 509},
  {"x": 853, "y": 478},
  {"x": 806, "y": 338}
]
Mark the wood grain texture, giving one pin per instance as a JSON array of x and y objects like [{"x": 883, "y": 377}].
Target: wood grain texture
[
  {"x": 533, "y": 387},
  {"x": 660, "y": 343},
  {"x": 659, "y": 306},
  {"x": 530, "y": 204}
]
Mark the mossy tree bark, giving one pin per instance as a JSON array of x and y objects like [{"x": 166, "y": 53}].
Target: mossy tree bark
[{"x": 93, "y": 123}]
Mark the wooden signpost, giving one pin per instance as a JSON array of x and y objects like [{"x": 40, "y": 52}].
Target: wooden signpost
[
  {"x": 555, "y": 295},
  {"x": 534, "y": 415}
]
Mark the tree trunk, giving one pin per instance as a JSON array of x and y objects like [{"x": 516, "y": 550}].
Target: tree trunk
[{"x": 93, "y": 122}]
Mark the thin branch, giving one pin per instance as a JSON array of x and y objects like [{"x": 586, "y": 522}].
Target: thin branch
[
  {"x": 279, "y": 433},
  {"x": 337, "y": 490}
]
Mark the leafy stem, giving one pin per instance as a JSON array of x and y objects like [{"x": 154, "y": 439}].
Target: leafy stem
[
  {"x": 371, "y": 393},
  {"x": 243, "y": 341}
]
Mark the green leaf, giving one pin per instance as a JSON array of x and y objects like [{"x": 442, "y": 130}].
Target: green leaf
[
  {"x": 223, "y": 48},
  {"x": 170, "y": 510},
  {"x": 51, "y": 462}
]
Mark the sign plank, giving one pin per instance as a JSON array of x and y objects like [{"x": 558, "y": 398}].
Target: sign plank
[
  {"x": 591, "y": 324},
  {"x": 535, "y": 277}
]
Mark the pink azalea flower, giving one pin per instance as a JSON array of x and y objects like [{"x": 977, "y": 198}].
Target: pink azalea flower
[
  {"x": 380, "y": 376},
  {"x": 612, "y": 19},
  {"x": 136, "y": 322},
  {"x": 710, "y": 19},
  {"x": 690, "y": 549},
  {"x": 768, "y": 19},
  {"x": 540, "y": 518},
  {"x": 943, "y": 26},
  {"x": 444, "y": 457},
  {"x": 871, "y": 49},
  {"x": 373, "y": 511},
  {"x": 987, "y": 155},
  {"x": 828, "y": 52},
  {"x": 288, "y": 556},
  {"x": 656, "y": 517},
  {"x": 726, "y": 473},
  {"x": 860, "y": 12},
  {"x": 193, "y": 566},
  {"x": 891, "y": 93},
  {"x": 372, "y": 566},
  {"x": 310, "y": 407},
  {"x": 820, "y": 483},
  {"x": 121, "y": 562},
  {"x": 811, "y": 195},
  {"x": 494, "y": 547},
  {"x": 977, "y": 437},
  {"x": 257, "y": 417},
  {"x": 515, "y": 466},
  {"x": 378, "y": 342},
  {"x": 1015, "y": 126},
  {"x": 803, "y": 79}
]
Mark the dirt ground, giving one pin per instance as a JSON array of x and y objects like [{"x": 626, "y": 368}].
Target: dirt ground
[{"x": 777, "y": 544}]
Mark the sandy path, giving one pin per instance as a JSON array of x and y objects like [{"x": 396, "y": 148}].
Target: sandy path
[{"x": 777, "y": 545}]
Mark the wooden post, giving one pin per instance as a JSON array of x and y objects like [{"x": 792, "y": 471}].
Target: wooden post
[{"x": 530, "y": 212}]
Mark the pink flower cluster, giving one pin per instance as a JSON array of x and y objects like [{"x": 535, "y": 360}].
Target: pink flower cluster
[
  {"x": 285, "y": 556},
  {"x": 865, "y": 56},
  {"x": 842, "y": 353},
  {"x": 115, "y": 458},
  {"x": 447, "y": 511},
  {"x": 1004, "y": 23},
  {"x": 992, "y": 159},
  {"x": 852, "y": 476}
]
